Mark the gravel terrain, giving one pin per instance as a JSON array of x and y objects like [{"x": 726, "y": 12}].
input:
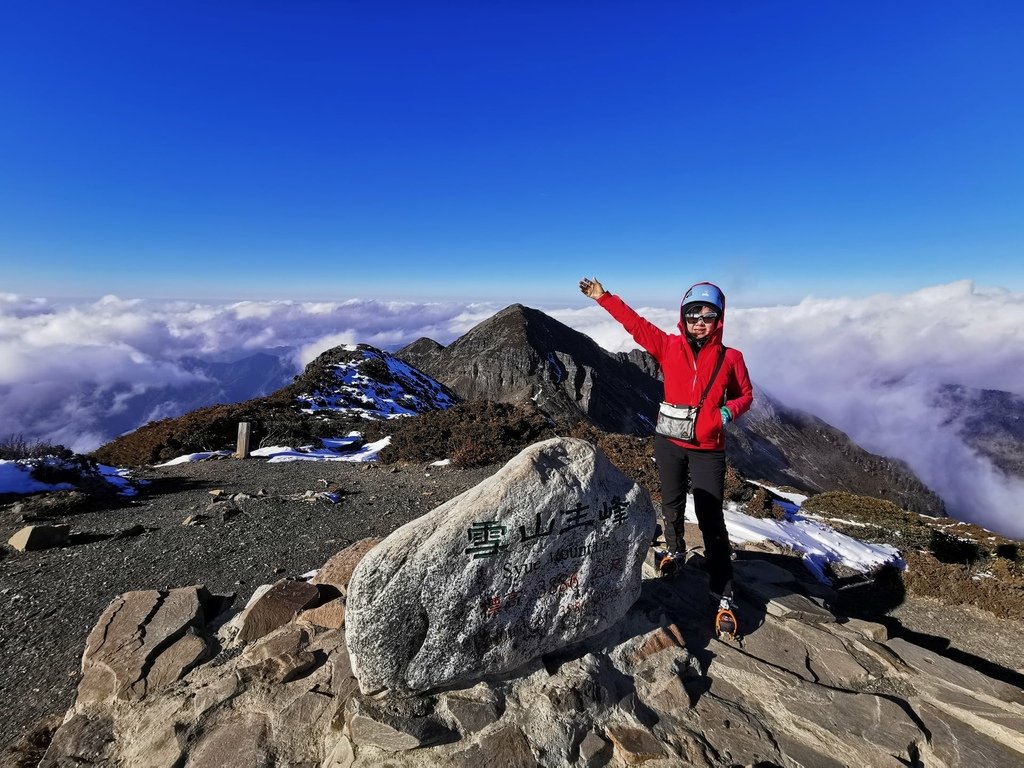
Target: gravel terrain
[{"x": 50, "y": 599}]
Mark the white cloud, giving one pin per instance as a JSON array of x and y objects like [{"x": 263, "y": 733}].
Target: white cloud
[
  {"x": 67, "y": 370},
  {"x": 866, "y": 365}
]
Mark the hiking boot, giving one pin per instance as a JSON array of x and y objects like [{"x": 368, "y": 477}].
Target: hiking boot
[{"x": 667, "y": 563}]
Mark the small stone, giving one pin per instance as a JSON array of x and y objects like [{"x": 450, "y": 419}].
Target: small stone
[
  {"x": 672, "y": 698},
  {"x": 217, "y": 493},
  {"x": 342, "y": 756},
  {"x": 338, "y": 570},
  {"x": 763, "y": 571},
  {"x": 82, "y": 740},
  {"x": 240, "y": 742},
  {"x": 35, "y": 537},
  {"x": 127, "y": 533},
  {"x": 395, "y": 724},
  {"x": 143, "y": 642},
  {"x": 276, "y": 607},
  {"x": 591, "y": 747},
  {"x": 634, "y": 745},
  {"x": 195, "y": 519},
  {"x": 472, "y": 714},
  {"x": 507, "y": 748},
  {"x": 782, "y": 602},
  {"x": 330, "y": 615}
]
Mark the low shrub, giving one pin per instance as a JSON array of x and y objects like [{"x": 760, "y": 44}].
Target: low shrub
[
  {"x": 375, "y": 368},
  {"x": 18, "y": 447},
  {"x": 992, "y": 583},
  {"x": 471, "y": 434}
]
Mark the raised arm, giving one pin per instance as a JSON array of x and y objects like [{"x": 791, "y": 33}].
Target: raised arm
[{"x": 644, "y": 332}]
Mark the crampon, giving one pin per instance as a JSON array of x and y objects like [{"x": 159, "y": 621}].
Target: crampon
[{"x": 726, "y": 626}]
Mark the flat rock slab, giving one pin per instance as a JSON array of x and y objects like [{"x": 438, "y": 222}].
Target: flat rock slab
[
  {"x": 545, "y": 552},
  {"x": 781, "y": 601},
  {"x": 951, "y": 673},
  {"x": 143, "y": 642}
]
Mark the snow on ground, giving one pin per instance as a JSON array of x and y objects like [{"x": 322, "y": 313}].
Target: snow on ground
[
  {"x": 408, "y": 393},
  {"x": 119, "y": 479},
  {"x": 795, "y": 498},
  {"x": 277, "y": 454},
  {"x": 200, "y": 456},
  {"x": 818, "y": 543},
  {"x": 334, "y": 449},
  {"x": 16, "y": 477}
]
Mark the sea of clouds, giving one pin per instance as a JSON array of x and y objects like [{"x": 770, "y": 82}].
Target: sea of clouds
[{"x": 869, "y": 366}]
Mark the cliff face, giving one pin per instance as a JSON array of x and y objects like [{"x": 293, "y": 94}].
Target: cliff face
[
  {"x": 521, "y": 355},
  {"x": 789, "y": 447},
  {"x": 990, "y": 421}
]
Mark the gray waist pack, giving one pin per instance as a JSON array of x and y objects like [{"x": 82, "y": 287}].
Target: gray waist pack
[
  {"x": 676, "y": 421},
  {"x": 679, "y": 421}
]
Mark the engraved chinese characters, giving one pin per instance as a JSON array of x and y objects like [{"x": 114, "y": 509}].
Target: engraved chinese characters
[{"x": 544, "y": 553}]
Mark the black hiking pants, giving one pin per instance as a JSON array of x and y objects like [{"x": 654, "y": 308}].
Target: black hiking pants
[{"x": 684, "y": 469}]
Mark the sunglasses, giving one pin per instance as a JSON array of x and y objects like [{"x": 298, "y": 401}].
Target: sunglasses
[{"x": 707, "y": 319}]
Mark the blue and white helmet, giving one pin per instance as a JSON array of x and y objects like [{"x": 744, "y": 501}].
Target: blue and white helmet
[{"x": 703, "y": 293}]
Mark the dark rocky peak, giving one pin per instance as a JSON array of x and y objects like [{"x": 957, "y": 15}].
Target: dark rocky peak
[
  {"x": 518, "y": 326},
  {"x": 419, "y": 351},
  {"x": 368, "y": 380},
  {"x": 521, "y": 355}
]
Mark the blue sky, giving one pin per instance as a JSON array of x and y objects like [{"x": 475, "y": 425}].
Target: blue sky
[{"x": 498, "y": 151}]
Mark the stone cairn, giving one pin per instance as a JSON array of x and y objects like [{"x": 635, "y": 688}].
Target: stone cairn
[{"x": 520, "y": 624}]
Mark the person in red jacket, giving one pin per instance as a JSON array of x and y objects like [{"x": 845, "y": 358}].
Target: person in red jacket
[{"x": 693, "y": 363}]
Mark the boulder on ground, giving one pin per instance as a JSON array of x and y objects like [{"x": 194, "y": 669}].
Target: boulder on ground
[
  {"x": 544, "y": 553},
  {"x": 33, "y": 537}
]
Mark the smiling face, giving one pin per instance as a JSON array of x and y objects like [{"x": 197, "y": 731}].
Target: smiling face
[{"x": 701, "y": 321}]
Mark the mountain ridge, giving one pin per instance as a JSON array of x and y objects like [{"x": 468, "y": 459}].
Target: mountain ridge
[{"x": 520, "y": 355}]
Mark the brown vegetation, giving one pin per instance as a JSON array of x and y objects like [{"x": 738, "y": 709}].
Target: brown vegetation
[
  {"x": 471, "y": 434},
  {"x": 954, "y": 562},
  {"x": 273, "y": 420},
  {"x": 18, "y": 447}
]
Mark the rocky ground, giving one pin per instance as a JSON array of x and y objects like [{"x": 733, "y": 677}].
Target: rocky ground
[{"x": 49, "y": 600}]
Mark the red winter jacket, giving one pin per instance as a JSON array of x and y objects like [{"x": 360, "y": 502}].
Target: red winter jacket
[{"x": 686, "y": 378}]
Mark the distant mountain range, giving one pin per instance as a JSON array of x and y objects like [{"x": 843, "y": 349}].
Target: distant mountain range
[{"x": 521, "y": 354}]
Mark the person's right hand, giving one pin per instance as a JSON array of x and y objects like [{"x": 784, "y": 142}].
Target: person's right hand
[{"x": 592, "y": 288}]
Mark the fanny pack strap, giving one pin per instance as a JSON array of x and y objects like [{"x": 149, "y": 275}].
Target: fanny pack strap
[{"x": 714, "y": 375}]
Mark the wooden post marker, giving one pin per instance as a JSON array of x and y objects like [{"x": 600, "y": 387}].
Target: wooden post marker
[{"x": 243, "y": 440}]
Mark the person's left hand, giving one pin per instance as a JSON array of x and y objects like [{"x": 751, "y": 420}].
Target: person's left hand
[{"x": 592, "y": 288}]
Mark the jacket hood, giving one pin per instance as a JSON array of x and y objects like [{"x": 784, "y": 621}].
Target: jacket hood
[{"x": 704, "y": 293}]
